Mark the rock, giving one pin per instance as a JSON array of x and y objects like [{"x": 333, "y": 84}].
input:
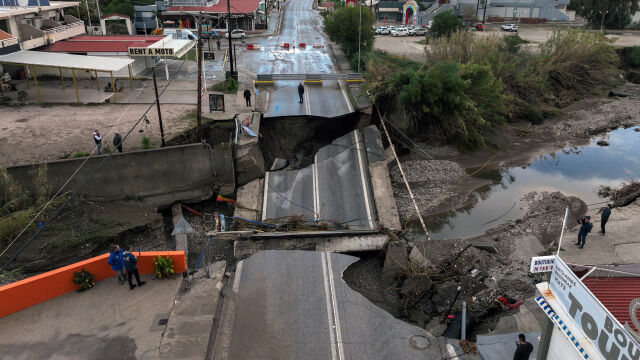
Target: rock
[
  {"x": 396, "y": 263},
  {"x": 636, "y": 129},
  {"x": 445, "y": 295},
  {"x": 418, "y": 317},
  {"x": 415, "y": 288},
  {"x": 416, "y": 257},
  {"x": 603, "y": 143}
]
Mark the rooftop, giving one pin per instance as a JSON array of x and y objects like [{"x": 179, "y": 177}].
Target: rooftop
[
  {"x": 96, "y": 43},
  {"x": 239, "y": 7},
  {"x": 9, "y": 11},
  {"x": 616, "y": 293}
]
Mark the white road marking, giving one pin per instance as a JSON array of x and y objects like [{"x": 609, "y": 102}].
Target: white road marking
[
  {"x": 306, "y": 100},
  {"x": 264, "y": 197},
  {"x": 316, "y": 193},
  {"x": 323, "y": 256},
  {"x": 346, "y": 97},
  {"x": 334, "y": 303},
  {"x": 236, "y": 277},
  {"x": 365, "y": 190}
]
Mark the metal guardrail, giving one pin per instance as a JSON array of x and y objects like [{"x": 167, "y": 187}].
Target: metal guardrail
[{"x": 311, "y": 77}]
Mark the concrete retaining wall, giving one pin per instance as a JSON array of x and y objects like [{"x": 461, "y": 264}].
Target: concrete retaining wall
[{"x": 157, "y": 176}]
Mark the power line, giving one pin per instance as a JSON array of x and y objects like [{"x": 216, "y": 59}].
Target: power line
[{"x": 93, "y": 172}]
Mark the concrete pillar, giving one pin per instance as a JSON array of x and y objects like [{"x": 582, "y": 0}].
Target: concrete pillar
[
  {"x": 545, "y": 339},
  {"x": 13, "y": 28}
]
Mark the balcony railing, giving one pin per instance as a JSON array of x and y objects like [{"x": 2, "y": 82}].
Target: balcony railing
[
  {"x": 64, "y": 31},
  {"x": 8, "y": 42}
]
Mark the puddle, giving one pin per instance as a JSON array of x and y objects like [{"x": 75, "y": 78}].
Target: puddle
[{"x": 573, "y": 171}]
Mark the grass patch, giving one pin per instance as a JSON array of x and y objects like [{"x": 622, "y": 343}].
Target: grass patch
[
  {"x": 146, "y": 143},
  {"x": 79, "y": 154},
  {"x": 192, "y": 118},
  {"x": 229, "y": 86}
]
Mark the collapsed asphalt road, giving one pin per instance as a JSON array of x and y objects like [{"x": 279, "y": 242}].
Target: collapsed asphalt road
[
  {"x": 295, "y": 305},
  {"x": 300, "y": 24}
]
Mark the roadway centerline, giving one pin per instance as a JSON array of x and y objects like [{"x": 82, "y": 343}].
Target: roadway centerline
[
  {"x": 306, "y": 100},
  {"x": 365, "y": 188},
  {"x": 334, "y": 302},
  {"x": 332, "y": 339}
]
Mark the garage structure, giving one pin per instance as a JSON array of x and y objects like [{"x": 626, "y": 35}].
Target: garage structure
[{"x": 32, "y": 60}]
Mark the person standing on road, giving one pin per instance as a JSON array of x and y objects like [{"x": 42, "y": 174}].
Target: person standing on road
[
  {"x": 218, "y": 42},
  {"x": 585, "y": 229},
  {"x": 117, "y": 263},
  {"x": 98, "y": 139},
  {"x": 131, "y": 265},
  {"x": 117, "y": 142},
  {"x": 247, "y": 97},
  {"x": 523, "y": 348},
  {"x": 301, "y": 92},
  {"x": 606, "y": 212}
]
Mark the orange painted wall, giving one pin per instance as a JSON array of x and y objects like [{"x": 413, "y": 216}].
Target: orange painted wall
[{"x": 36, "y": 289}]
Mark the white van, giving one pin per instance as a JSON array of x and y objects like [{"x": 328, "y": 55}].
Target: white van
[{"x": 184, "y": 34}]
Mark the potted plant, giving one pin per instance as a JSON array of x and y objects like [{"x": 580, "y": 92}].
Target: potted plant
[
  {"x": 84, "y": 280},
  {"x": 163, "y": 267}
]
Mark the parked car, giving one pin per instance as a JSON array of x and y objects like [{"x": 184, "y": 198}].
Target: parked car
[
  {"x": 400, "y": 32},
  {"x": 418, "y": 32},
  {"x": 410, "y": 27},
  {"x": 384, "y": 31},
  {"x": 509, "y": 27},
  {"x": 391, "y": 28},
  {"x": 236, "y": 34},
  {"x": 183, "y": 34}
]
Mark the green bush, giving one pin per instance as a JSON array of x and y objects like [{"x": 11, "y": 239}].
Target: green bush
[
  {"x": 364, "y": 57},
  {"x": 633, "y": 59},
  {"x": 163, "y": 267},
  {"x": 79, "y": 154},
  {"x": 512, "y": 43},
  {"x": 229, "y": 86},
  {"x": 84, "y": 279},
  {"x": 445, "y": 24},
  {"x": 348, "y": 26},
  {"x": 146, "y": 143}
]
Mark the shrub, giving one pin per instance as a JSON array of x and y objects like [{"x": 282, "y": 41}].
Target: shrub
[
  {"x": 349, "y": 25},
  {"x": 79, "y": 154},
  {"x": 163, "y": 267},
  {"x": 84, "y": 279},
  {"x": 146, "y": 143},
  {"x": 445, "y": 24},
  {"x": 633, "y": 59},
  {"x": 512, "y": 43},
  {"x": 229, "y": 86}
]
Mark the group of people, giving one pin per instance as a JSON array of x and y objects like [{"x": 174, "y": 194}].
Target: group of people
[
  {"x": 247, "y": 95},
  {"x": 125, "y": 261},
  {"x": 586, "y": 226},
  {"x": 117, "y": 141}
]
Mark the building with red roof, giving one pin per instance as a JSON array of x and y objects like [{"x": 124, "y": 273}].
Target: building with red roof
[{"x": 245, "y": 14}]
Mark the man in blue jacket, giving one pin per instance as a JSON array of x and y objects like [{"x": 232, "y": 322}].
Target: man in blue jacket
[
  {"x": 116, "y": 262},
  {"x": 606, "y": 212},
  {"x": 131, "y": 265},
  {"x": 585, "y": 228}
]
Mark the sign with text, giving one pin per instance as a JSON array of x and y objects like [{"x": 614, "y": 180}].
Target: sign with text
[
  {"x": 209, "y": 56},
  {"x": 216, "y": 102},
  {"x": 596, "y": 323},
  {"x": 328, "y": 5},
  {"x": 542, "y": 263},
  {"x": 143, "y": 51}
]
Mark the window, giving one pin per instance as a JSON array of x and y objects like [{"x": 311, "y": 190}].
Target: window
[{"x": 147, "y": 14}]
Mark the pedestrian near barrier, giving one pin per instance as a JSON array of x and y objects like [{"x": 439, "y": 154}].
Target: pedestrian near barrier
[
  {"x": 117, "y": 263},
  {"x": 585, "y": 229},
  {"x": 606, "y": 212},
  {"x": 98, "y": 139},
  {"x": 117, "y": 142},
  {"x": 301, "y": 92},
  {"x": 247, "y": 97},
  {"x": 131, "y": 266}
]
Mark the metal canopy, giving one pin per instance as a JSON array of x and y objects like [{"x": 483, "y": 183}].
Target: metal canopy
[
  {"x": 67, "y": 61},
  {"x": 179, "y": 46}
]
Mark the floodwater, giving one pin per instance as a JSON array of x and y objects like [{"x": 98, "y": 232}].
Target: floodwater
[{"x": 576, "y": 172}]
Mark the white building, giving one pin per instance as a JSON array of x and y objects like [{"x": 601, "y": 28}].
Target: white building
[
  {"x": 35, "y": 23},
  {"x": 550, "y": 10}
]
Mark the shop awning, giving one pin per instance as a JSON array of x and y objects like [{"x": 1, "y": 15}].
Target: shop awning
[
  {"x": 179, "y": 46},
  {"x": 66, "y": 61}
]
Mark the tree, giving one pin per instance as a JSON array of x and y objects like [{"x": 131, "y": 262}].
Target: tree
[
  {"x": 445, "y": 24},
  {"x": 342, "y": 27},
  {"x": 120, "y": 7},
  {"x": 612, "y": 14}
]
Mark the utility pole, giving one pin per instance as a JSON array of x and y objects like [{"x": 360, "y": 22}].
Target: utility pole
[
  {"x": 477, "y": 9},
  {"x": 199, "y": 50},
  {"x": 359, "y": 34},
  {"x": 266, "y": 14},
  {"x": 229, "y": 34},
  {"x": 88, "y": 13},
  {"x": 155, "y": 86},
  {"x": 484, "y": 15}
]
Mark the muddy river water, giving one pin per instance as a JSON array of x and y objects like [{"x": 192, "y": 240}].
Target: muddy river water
[{"x": 576, "y": 172}]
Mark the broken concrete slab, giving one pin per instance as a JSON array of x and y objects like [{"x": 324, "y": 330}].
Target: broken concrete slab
[
  {"x": 396, "y": 263},
  {"x": 341, "y": 244},
  {"x": 383, "y": 196},
  {"x": 416, "y": 257},
  {"x": 249, "y": 201},
  {"x": 191, "y": 320},
  {"x": 249, "y": 163}
]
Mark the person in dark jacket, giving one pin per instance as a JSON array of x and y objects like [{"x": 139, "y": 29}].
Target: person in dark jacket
[
  {"x": 247, "y": 97},
  {"x": 585, "y": 229},
  {"x": 131, "y": 265},
  {"x": 523, "y": 348},
  {"x": 98, "y": 139},
  {"x": 117, "y": 142},
  {"x": 116, "y": 262},
  {"x": 301, "y": 92},
  {"x": 606, "y": 212}
]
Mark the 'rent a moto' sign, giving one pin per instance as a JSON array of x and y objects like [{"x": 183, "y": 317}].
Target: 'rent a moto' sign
[{"x": 143, "y": 51}]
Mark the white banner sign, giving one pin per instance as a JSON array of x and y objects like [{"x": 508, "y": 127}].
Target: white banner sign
[
  {"x": 143, "y": 51},
  {"x": 542, "y": 263},
  {"x": 605, "y": 333}
]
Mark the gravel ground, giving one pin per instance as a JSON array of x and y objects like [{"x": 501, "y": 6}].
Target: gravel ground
[{"x": 431, "y": 181}]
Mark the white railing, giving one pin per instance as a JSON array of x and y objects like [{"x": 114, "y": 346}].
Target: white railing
[{"x": 64, "y": 31}]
